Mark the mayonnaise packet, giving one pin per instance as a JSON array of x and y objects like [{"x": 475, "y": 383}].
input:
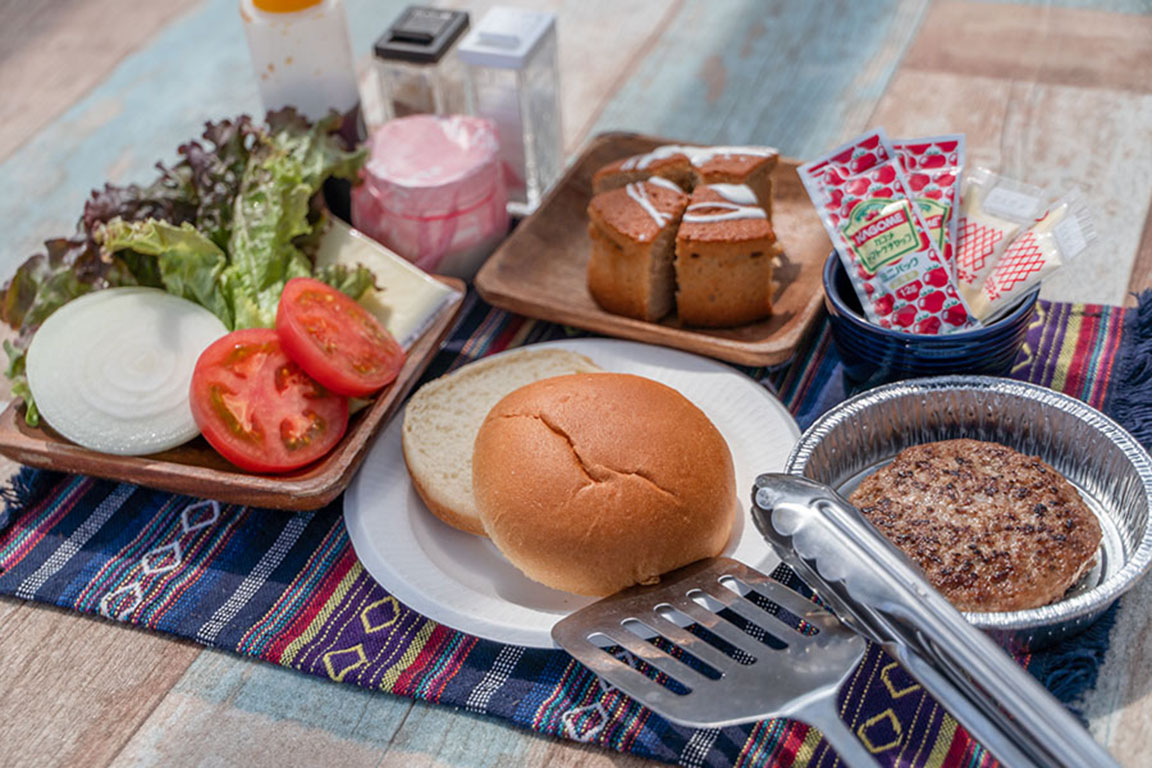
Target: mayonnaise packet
[
  {"x": 1061, "y": 234},
  {"x": 895, "y": 266},
  {"x": 934, "y": 166},
  {"x": 994, "y": 211}
]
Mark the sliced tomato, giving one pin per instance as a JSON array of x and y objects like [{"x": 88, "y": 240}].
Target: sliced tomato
[
  {"x": 259, "y": 409},
  {"x": 335, "y": 339}
]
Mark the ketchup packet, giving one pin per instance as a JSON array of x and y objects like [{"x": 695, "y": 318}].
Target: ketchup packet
[
  {"x": 994, "y": 211},
  {"x": 934, "y": 166},
  {"x": 1061, "y": 234},
  {"x": 869, "y": 213}
]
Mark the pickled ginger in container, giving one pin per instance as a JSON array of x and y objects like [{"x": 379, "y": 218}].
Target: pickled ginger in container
[{"x": 433, "y": 191}]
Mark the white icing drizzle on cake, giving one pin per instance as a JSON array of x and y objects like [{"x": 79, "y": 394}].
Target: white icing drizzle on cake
[
  {"x": 739, "y": 203},
  {"x": 740, "y": 194},
  {"x": 637, "y": 192},
  {"x": 696, "y": 155},
  {"x": 728, "y": 212},
  {"x": 660, "y": 181}
]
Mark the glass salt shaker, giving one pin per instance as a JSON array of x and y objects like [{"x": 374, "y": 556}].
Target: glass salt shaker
[
  {"x": 419, "y": 70},
  {"x": 513, "y": 80}
]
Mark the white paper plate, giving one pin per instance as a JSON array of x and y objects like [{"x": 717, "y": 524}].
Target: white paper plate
[{"x": 462, "y": 581}]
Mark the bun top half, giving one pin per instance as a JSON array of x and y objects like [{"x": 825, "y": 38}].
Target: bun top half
[{"x": 591, "y": 483}]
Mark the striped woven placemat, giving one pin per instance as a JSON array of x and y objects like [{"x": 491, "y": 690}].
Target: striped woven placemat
[{"x": 287, "y": 587}]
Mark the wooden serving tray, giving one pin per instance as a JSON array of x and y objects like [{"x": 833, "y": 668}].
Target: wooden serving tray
[
  {"x": 197, "y": 470},
  {"x": 540, "y": 270}
]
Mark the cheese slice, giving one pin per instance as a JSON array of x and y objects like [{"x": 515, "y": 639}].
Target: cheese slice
[{"x": 407, "y": 300}]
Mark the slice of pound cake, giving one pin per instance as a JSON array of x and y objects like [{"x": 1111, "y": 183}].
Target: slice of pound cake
[
  {"x": 749, "y": 166},
  {"x": 724, "y": 253},
  {"x": 633, "y": 230}
]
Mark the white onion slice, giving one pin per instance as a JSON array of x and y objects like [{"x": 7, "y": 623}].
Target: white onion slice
[{"x": 111, "y": 370}]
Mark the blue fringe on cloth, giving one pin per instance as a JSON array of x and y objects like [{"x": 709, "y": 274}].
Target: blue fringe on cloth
[
  {"x": 1070, "y": 668},
  {"x": 22, "y": 490},
  {"x": 1130, "y": 397}
]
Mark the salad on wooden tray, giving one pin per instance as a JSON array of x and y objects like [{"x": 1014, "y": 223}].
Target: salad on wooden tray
[{"x": 222, "y": 300}]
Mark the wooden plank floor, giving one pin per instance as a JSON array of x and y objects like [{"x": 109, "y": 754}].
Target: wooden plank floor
[
  {"x": 1061, "y": 110},
  {"x": 1059, "y": 94},
  {"x": 88, "y": 34}
]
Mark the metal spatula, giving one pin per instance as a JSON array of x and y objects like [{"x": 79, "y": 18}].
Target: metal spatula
[{"x": 756, "y": 649}]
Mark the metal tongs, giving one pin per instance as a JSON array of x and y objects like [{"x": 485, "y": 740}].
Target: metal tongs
[{"x": 880, "y": 594}]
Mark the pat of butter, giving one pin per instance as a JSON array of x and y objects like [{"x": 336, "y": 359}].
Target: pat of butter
[{"x": 407, "y": 301}]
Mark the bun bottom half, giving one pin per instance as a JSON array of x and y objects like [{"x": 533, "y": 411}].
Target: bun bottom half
[{"x": 441, "y": 421}]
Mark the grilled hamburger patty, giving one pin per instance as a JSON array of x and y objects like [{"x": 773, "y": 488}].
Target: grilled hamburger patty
[{"x": 993, "y": 529}]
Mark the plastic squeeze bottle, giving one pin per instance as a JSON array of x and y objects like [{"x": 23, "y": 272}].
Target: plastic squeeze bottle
[{"x": 303, "y": 58}]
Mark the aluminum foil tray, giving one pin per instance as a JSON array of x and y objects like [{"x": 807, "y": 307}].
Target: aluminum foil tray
[{"x": 1112, "y": 472}]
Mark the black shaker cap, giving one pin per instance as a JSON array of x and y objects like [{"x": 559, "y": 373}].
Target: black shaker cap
[{"x": 421, "y": 34}]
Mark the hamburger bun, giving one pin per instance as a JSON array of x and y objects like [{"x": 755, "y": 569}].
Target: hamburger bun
[
  {"x": 442, "y": 419},
  {"x": 593, "y": 483}
]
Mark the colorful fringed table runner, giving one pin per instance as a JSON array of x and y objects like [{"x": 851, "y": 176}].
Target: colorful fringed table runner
[{"x": 287, "y": 587}]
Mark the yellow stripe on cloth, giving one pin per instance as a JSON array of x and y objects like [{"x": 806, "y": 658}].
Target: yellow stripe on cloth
[
  {"x": 807, "y": 749},
  {"x": 388, "y": 682},
  {"x": 943, "y": 742},
  {"x": 1068, "y": 348},
  {"x": 518, "y": 339},
  {"x": 325, "y": 613}
]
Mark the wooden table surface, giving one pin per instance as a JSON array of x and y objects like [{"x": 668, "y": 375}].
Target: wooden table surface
[{"x": 1056, "y": 93}]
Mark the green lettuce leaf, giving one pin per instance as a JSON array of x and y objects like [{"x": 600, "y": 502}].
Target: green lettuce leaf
[
  {"x": 16, "y": 373},
  {"x": 272, "y": 212},
  {"x": 352, "y": 280},
  {"x": 189, "y": 264}
]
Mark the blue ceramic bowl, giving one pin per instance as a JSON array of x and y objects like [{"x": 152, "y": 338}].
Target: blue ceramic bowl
[{"x": 873, "y": 355}]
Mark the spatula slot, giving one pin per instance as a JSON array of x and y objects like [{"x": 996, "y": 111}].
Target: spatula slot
[
  {"x": 619, "y": 656},
  {"x": 705, "y": 600},
  {"x": 670, "y": 646},
  {"x": 730, "y": 609},
  {"x": 670, "y": 614},
  {"x": 777, "y": 600},
  {"x": 643, "y": 651}
]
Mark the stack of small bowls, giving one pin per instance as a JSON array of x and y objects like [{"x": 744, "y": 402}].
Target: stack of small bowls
[{"x": 873, "y": 355}]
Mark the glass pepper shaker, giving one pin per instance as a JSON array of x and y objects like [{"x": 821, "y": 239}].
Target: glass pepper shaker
[
  {"x": 513, "y": 79},
  {"x": 418, "y": 67}
]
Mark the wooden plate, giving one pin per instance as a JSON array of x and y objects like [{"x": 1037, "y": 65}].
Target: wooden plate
[
  {"x": 197, "y": 470},
  {"x": 540, "y": 270}
]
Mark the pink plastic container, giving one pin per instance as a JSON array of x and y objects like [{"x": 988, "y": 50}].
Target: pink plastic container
[{"x": 433, "y": 192}]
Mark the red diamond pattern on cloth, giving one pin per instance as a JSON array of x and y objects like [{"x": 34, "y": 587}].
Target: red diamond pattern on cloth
[
  {"x": 977, "y": 244},
  {"x": 1022, "y": 259}
]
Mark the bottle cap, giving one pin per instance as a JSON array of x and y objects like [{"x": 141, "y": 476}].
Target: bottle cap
[
  {"x": 506, "y": 37},
  {"x": 284, "y": 6},
  {"x": 421, "y": 35}
]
